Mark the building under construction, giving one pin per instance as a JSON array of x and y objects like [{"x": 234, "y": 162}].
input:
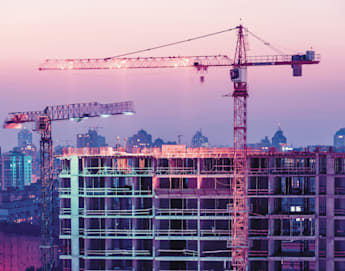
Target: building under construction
[{"x": 170, "y": 209}]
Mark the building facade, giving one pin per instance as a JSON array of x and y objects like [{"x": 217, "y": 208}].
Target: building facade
[
  {"x": 278, "y": 139},
  {"x": 16, "y": 170},
  {"x": 24, "y": 138},
  {"x": 21, "y": 206},
  {"x": 199, "y": 140},
  {"x": 170, "y": 209},
  {"x": 91, "y": 139},
  {"x": 339, "y": 139}
]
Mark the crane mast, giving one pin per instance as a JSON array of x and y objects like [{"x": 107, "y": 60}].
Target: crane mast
[
  {"x": 47, "y": 206},
  {"x": 238, "y": 242},
  {"x": 42, "y": 123},
  {"x": 239, "y": 225}
]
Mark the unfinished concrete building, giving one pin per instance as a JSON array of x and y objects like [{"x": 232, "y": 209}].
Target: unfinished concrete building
[{"x": 170, "y": 209}]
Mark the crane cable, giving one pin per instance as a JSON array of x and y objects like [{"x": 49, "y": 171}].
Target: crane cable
[
  {"x": 265, "y": 42},
  {"x": 172, "y": 43}
]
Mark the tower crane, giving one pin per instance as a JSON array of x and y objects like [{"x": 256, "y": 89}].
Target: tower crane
[
  {"x": 42, "y": 123},
  {"x": 238, "y": 242}
]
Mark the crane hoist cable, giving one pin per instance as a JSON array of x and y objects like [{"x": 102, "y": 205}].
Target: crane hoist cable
[{"x": 265, "y": 42}]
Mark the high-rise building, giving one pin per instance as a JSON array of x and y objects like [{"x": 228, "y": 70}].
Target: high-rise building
[
  {"x": 16, "y": 169},
  {"x": 171, "y": 209},
  {"x": 339, "y": 139},
  {"x": 278, "y": 139},
  {"x": 31, "y": 150},
  {"x": 24, "y": 138},
  {"x": 91, "y": 139}
]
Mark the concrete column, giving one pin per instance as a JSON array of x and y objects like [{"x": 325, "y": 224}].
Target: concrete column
[
  {"x": 271, "y": 265},
  {"x": 155, "y": 245},
  {"x": 199, "y": 178},
  {"x": 330, "y": 214},
  {"x": 270, "y": 221},
  {"x": 75, "y": 213},
  {"x": 134, "y": 227},
  {"x": 199, "y": 235},
  {"x": 317, "y": 212}
]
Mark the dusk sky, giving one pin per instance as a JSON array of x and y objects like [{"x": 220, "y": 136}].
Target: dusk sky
[{"x": 310, "y": 109}]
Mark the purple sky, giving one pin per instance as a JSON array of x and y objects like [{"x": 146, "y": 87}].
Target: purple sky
[{"x": 171, "y": 102}]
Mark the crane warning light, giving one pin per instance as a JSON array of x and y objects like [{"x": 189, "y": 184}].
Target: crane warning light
[
  {"x": 128, "y": 113},
  {"x": 70, "y": 65},
  {"x": 13, "y": 126}
]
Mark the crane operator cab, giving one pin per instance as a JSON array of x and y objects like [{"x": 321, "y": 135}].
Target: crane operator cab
[
  {"x": 238, "y": 75},
  {"x": 41, "y": 124}
]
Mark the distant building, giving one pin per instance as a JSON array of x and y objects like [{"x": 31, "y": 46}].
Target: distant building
[
  {"x": 199, "y": 140},
  {"x": 21, "y": 206},
  {"x": 141, "y": 140},
  {"x": 339, "y": 139},
  {"x": 31, "y": 149},
  {"x": 159, "y": 142},
  {"x": 24, "y": 138},
  {"x": 316, "y": 148},
  {"x": 278, "y": 139},
  {"x": 16, "y": 169},
  {"x": 265, "y": 142},
  {"x": 90, "y": 139}
]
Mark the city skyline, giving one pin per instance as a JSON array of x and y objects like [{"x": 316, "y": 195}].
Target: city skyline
[
  {"x": 172, "y": 102},
  {"x": 113, "y": 140}
]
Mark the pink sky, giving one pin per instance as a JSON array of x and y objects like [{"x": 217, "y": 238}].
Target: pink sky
[{"x": 171, "y": 102}]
